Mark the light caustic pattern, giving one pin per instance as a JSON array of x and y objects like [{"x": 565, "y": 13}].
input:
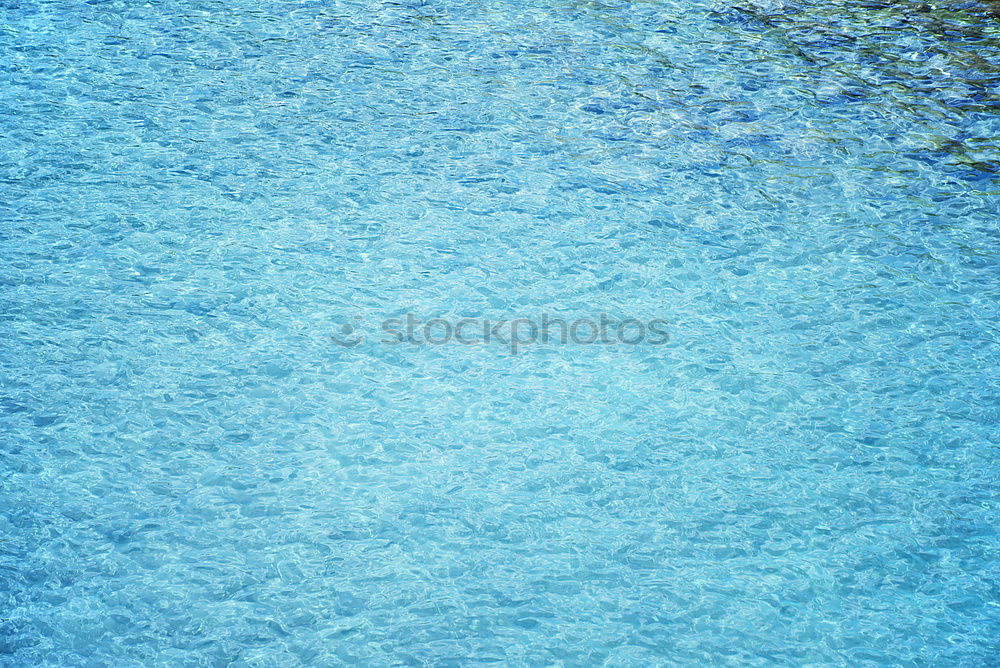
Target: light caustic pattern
[{"x": 195, "y": 196}]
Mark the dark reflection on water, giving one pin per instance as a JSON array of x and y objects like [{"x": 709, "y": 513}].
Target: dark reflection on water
[{"x": 937, "y": 68}]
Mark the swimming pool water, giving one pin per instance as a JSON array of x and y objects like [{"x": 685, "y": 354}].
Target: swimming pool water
[{"x": 195, "y": 196}]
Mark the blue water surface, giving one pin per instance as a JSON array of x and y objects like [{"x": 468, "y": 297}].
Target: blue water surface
[{"x": 196, "y": 196}]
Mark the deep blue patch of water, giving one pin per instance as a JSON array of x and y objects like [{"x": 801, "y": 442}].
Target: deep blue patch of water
[{"x": 196, "y": 197}]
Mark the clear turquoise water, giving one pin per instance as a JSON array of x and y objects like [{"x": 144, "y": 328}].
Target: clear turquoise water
[{"x": 195, "y": 195}]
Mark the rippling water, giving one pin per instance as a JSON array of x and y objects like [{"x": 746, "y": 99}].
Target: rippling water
[{"x": 195, "y": 196}]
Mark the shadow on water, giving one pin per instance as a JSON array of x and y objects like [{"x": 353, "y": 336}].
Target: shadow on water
[{"x": 936, "y": 67}]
